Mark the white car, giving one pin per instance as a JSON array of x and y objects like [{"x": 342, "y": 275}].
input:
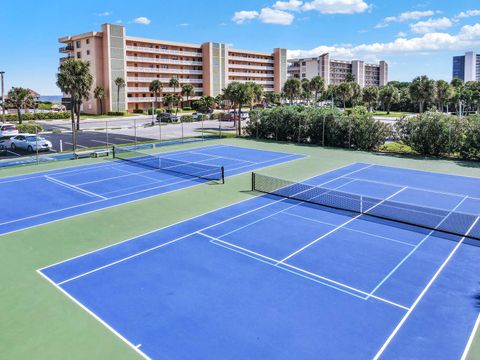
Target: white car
[
  {"x": 30, "y": 142},
  {"x": 8, "y": 130}
]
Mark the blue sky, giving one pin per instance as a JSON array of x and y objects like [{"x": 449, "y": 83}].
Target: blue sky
[{"x": 415, "y": 37}]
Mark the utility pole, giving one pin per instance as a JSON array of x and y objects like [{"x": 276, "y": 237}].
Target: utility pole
[{"x": 3, "y": 96}]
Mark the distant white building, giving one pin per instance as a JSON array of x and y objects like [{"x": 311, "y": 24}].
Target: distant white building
[
  {"x": 335, "y": 71},
  {"x": 466, "y": 67}
]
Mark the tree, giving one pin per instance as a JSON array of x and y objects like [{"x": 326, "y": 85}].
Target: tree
[
  {"x": 349, "y": 77},
  {"x": 119, "y": 82},
  {"x": 422, "y": 90},
  {"x": 19, "y": 98},
  {"x": 473, "y": 88},
  {"x": 238, "y": 94},
  {"x": 305, "y": 93},
  {"x": 187, "y": 91},
  {"x": 292, "y": 89},
  {"x": 204, "y": 104},
  {"x": 169, "y": 100},
  {"x": 443, "y": 93},
  {"x": 370, "y": 97},
  {"x": 156, "y": 88},
  {"x": 74, "y": 78},
  {"x": 344, "y": 93},
  {"x": 459, "y": 94},
  {"x": 174, "y": 83},
  {"x": 356, "y": 93},
  {"x": 317, "y": 86},
  {"x": 254, "y": 93},
  {"x": 389, "y": 95},
  {"x": 99, "y": 94},
  {"x": 219, "y": 101},
  {"x": 272, "y": 98}
]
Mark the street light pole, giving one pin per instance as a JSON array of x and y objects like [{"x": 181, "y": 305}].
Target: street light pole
[{"x": 3, "y": 97}]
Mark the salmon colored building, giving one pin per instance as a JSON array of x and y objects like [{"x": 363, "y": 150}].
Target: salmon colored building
[{"x": 209, "y": 67}]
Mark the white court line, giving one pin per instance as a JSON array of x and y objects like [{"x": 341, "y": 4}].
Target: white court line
[
  {"x": 422, "y": 294},
  {"x": 414, "y": 249},
  {"x": 276, "y": 264},
  {"x": 101, "y": 142},
  {"x": 80, "y": 146},
  {"x": 73, "y": 187},
  {"x": 182, "y": 237},
  {"x": 351, "y": 229},
  {"x": 337, "y": 228},
  {"x": 95, "y": 316},
  {"x": 222, "y": 157},
  {"x": 470, "y": 339},
  {"x": 114, "y": 197},
  {"x": 182, "y": 221}
]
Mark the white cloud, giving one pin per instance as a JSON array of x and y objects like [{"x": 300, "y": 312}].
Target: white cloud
[
  {"x": 142, "y": 20},
  {"x": 118, "y": 21},
  {"x": 291, "y": 5},
  {"x": 336, "y": 6},
  {"x": 183, "y": 24},
  {"x": 406, "y": 16},
  {"x": 467, "y": 14},
  {"x": 468, "y": 37},
  {"x": 401, "y": 34},
  {"x": 105, "y": 13},
  {"x": 273, "y": 16},
  {"x": 241, "y": 16},
  {"x": 431, "y": 25}
]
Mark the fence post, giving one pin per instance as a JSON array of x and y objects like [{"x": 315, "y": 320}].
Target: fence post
[
  {"x": 135, "y": 131},
  {"x": 323, "y": 131},
  {"x": 106, "y": 131}
]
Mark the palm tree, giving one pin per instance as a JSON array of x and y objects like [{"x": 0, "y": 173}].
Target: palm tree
[
  {"x": 119, "y": 82},
  {"x": 370, "y": 97},
  {"x": 421, "y": 91},
  {"x": 317, "y": 85},
  {"x": 474, "y": 89},
  {"x": 389, "y": 95},
  {"x": 218, "y": 100},
  {"x": 343, "y": 92},
  {"x": 254, "y": 93},
  {"x": 174, "y": 83},
  {"x": 19, "y": 98},
  {"x": 156, "y": 88},
  {"x": 443, "y": 93},
  {"x": 349, "y": 77},
  {"x": 306, "y": 90},
  {"x": 99, "y": 94},
  {"x": 238, "y": 94},
  {"x": 458, "y": 94},
  {"x": 187, "y": 91},
  {"x": 74, "y": 78},
  {"x": 271, "y": 98},
  {"x": 292, "y": 89}
]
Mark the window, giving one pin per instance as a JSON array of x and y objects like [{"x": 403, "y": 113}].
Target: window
[
  {"x": 78, "y": 44},
  {"x": 88, "y": 52},
  {"x": 88, "y": 41},
  {"x": 79, "y": 55}
]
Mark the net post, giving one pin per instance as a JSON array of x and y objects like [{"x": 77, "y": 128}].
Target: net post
[
  {"x": 113, "y": 151},
  {"x": 253, "y": 181},
  {"x": 223, "y": 174}
]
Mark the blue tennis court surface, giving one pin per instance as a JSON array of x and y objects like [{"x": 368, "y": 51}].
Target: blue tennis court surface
[
  {"x": 278, "y": 278},
  {"x": 48, "y": 196}
]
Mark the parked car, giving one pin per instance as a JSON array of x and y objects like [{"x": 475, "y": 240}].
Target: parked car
[
  {"x": 167, "y": 118},
  {"x": 8, "y": 130},
  {"x": 228, "y": 116},
  {"x": 30, "y": 142}
]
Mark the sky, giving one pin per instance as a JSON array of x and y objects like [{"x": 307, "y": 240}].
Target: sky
[{"x": 414, "y": 37}]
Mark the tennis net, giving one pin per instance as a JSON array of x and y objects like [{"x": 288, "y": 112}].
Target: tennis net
[
  {"x": 452, "y": 222},
  {"x": 194, "y": 169}
]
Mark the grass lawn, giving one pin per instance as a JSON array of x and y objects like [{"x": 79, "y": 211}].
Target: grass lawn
[
  {"x": 88, "y": 116},
  {"x": 392, "y": 113},
  {"x": 38, "y": 321}
]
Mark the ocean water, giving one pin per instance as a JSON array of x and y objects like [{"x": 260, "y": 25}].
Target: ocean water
[{"x": 52, "y": 98}]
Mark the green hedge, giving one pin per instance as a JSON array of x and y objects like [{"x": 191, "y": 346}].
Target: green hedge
[
  {"x": 157, "y": 111},
  {"x": 187, "y": 118},
  {"x": 31, "y": 128},
  {"x": 38, "y": 116},
  {"x": 323, "y": 126},
  {"x": 116, "y": 113},
  {"x": 137, "y": 111},
  {"x": 436, "y": 134},
  {"x": 187, "y": 108}
]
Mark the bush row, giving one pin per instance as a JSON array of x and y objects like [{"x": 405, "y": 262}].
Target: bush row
[
  {"x": 322, "y": 126},
  {"x": 115, "y": 113},
  {"x": 434, "y": 133},
  {"x": 30, "y": 128},
  {"x": 38, "y": 116}
]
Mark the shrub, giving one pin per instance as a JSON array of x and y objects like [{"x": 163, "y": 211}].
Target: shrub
[
  {"x": 116, "y": 113},
  {"x": 397, "y": 148},
  {"x": 187, "y": 118},
  {"x": 31, "y": 128},
  {"x": 187, "y": 108},
  {"x": 216, "y": 116},
  {"x": 157, "y": 111},
  {"x": 38, "y": 116},
  {"x": 470, "y": 144},
  {"x": 137, "y": 111}
]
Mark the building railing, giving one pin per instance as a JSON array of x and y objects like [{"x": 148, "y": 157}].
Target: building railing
[
  {"x": 162, "y": 51},
  {"x": 250, "y": 74},
  {"x": 262, "y": 82},
  {"x": 250, "y": 59},
  {"x": 163, "y": 61},
  {"x": 164, "y": 90},
  {"x": 164, "y": 80},
  {"x": 65, "y": 49},
  {"x": 253, "y": 67},
  {"x": 162, "y": 70}
]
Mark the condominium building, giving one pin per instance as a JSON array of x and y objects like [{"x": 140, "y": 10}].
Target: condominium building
[
  {"x": 209, "y": 67},
  {"x": 467, "y": 67},
  {"x": 335, "y": 71}
]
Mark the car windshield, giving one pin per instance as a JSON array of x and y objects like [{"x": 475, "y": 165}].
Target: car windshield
[
  {"x": 34, "y": 138},
  {"x": 8, "y": 127}
]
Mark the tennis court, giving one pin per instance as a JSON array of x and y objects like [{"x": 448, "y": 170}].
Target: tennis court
[
  {"x": 282, "y": 276},
  {"x": 49, "y": 196}
]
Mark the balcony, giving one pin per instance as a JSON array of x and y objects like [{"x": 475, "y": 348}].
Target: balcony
[
  {"x": 250, "y": 74},
  {"x": 262, "y": 82},
  {"x": 163, "y": 80},
  {"x": 162, "y": 70},
  {"x": 163, "y": 51},
  {"x": 164, "y": 90},
  {"x": 66, "y": 49},
  {"x": 163, "y": 61},
  {"x": 250, "y": 67},
  {"x": 250, "y": 59}
]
